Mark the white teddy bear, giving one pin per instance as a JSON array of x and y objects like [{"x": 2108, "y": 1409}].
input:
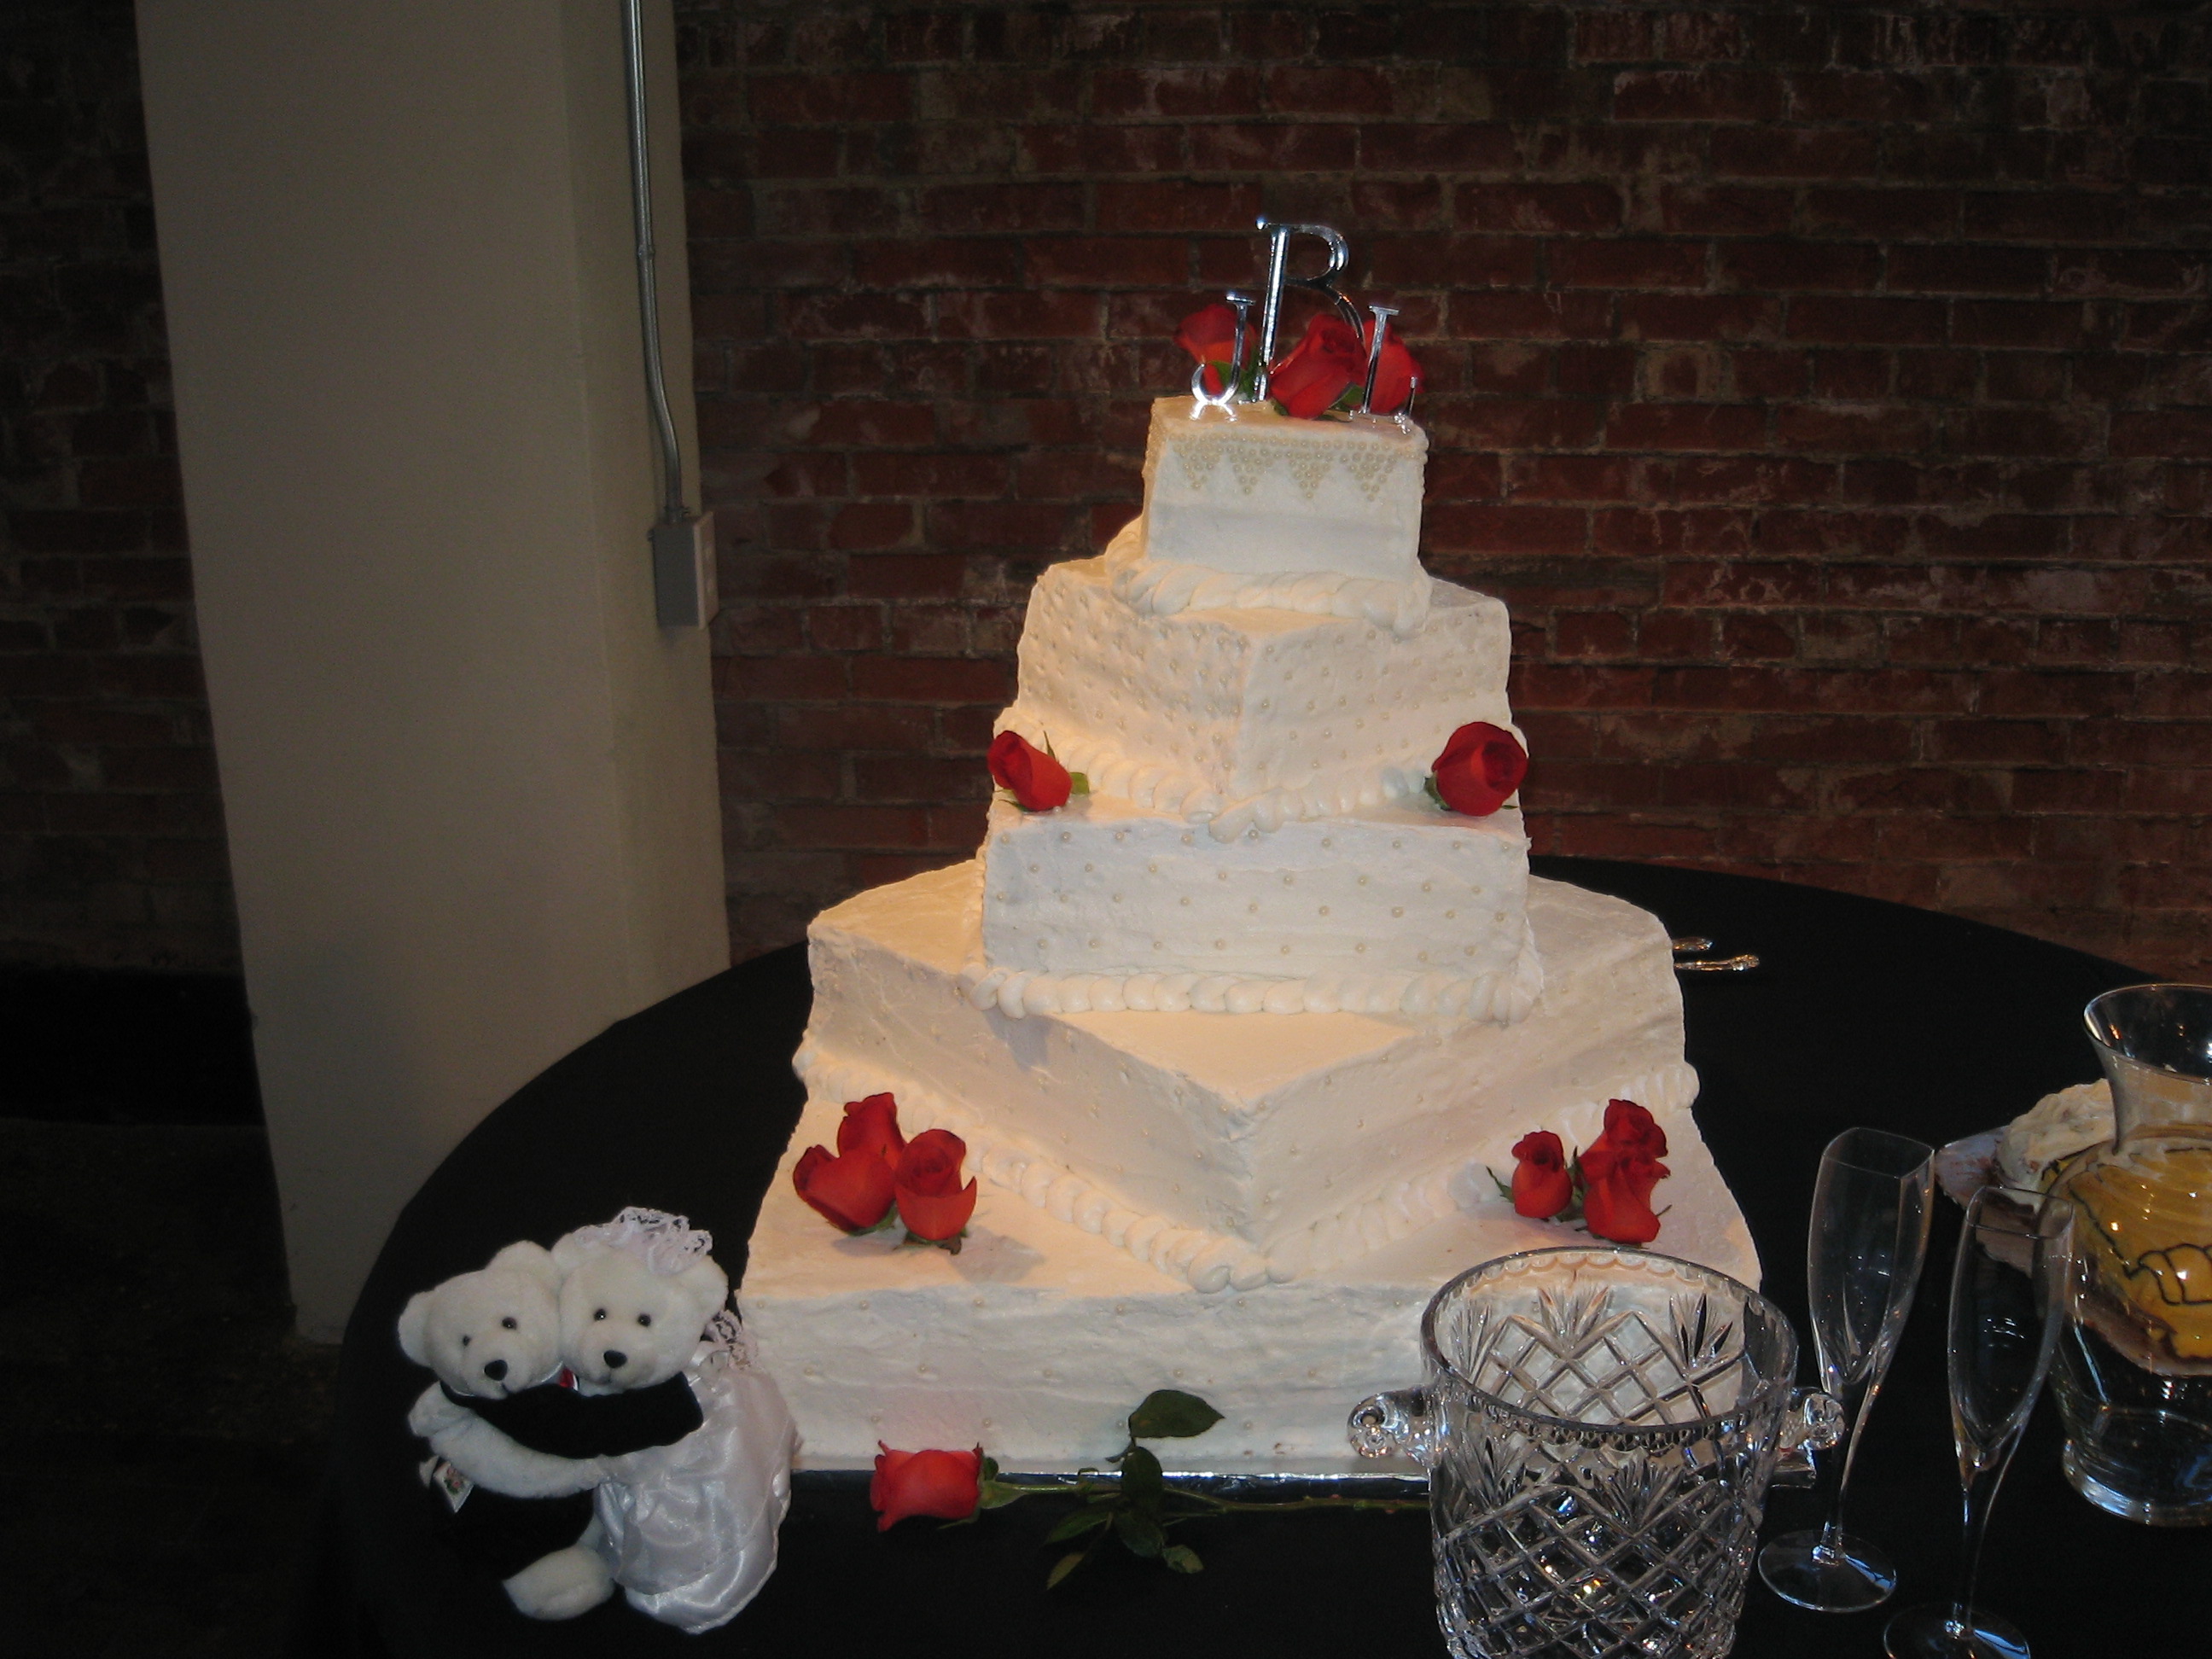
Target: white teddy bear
[
  {"x": 493, "y": 1335},
  {"x": 688, "y": 1524}
]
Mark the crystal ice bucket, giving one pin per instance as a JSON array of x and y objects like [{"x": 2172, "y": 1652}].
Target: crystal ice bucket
[{"x": 1600, "y": 1427}]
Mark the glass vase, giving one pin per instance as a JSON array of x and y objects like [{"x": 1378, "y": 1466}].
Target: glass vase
[{"x": 2133, "y": 1378}]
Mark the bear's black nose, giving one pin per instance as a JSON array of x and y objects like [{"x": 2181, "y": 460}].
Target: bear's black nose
[
  {"x": 615, "y": 1358},
  {"x": 496, "y": 1370}
]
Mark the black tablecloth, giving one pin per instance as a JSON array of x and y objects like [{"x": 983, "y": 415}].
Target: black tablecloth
[{"x": 1862, "y": 1012}]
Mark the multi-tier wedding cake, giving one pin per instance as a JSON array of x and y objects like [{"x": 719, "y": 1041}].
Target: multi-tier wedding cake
[{"x": 1234, "y": 1039}]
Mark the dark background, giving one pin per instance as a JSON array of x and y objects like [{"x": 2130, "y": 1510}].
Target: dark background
[{"x": 1828, "y": 389}]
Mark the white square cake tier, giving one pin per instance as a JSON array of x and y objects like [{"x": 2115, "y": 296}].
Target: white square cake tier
[
  {"x": 1266, "y": 493},
  {"x": 1234, "y": 1152},
  {"x": 1244, "y": 717},
  {"x": 1387, "y": 909},
  {"x": 1035, "y": 1341}
]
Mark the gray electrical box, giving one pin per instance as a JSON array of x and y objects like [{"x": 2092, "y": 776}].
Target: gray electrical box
[{"x": 683, "y": 593}]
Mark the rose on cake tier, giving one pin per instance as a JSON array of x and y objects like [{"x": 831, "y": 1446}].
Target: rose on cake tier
[
  {"x": 877, "y": 1168},
  {"x": 1480, "y": 767}
]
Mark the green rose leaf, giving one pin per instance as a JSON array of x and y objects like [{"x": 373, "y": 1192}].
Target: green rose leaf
[
  {"x": 1077, "y": 784},
  {"x": 1171, "y": 1414},
  {"x": 1429, "y": 783},
  {"x": 1075, "y": 1525},
  {"x": 1061, "y": 1568},
  {"x": 1142, "y": 1481},
  {"x": 1140, "y": 1533},
  {"x": 1181, "y": 1557}
]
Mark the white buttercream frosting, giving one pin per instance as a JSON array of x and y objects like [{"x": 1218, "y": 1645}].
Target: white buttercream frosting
[
  {"x": 1306, "y": 1140},
  {"x": 1251, "y": 719},
  {"x": 1262, "y": 497},
  {"x": 1160, "y": 587},
  {"x": 1104, "y": 904}
]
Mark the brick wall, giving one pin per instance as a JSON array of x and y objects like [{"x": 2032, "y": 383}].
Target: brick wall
[
  {"x": 110, "y": 825},
  {"x": 1828, "y": 391}
]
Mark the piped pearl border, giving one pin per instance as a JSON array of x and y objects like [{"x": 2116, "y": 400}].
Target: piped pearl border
[
  {"x": 1504, "y": 997},
  {"x": 1206, "y": 1261},
  {"x": 1112, "y": 771}
]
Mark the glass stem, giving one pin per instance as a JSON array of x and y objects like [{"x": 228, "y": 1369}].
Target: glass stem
[
  {"x": 1981, "y": 1488},
  {"x": 1835, "y": 1473}
]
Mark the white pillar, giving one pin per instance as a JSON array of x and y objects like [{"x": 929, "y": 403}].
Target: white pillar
[{"x": 470, "y": 784}]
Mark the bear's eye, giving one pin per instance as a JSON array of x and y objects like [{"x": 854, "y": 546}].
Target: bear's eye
[
  {"x": 464, "y": 1342},
  {"x": 601, "y": 1314},
  {"x": 507, "y": 1323},
  {"x": 645, "y": 1319}
]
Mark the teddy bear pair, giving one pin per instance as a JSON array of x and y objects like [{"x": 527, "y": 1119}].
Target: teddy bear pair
[{"x": 597, "y": 1422}]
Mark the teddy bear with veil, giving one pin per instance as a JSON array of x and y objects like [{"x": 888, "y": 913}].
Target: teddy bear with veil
[{"x": 653, "y": 1405}]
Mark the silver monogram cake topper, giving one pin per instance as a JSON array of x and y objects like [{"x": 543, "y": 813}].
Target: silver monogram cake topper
[
  {"x": 1243, "y": 383},
  {"x": 1225, "y": 399}
]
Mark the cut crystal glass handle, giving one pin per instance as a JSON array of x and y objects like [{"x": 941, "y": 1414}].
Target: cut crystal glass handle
[
  {"x": 1397, "y": 1423},
  {"x": 1812, "y": 1423}
]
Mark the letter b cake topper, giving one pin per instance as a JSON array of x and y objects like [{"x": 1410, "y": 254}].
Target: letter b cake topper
[{"x": 1279, "y": 278}]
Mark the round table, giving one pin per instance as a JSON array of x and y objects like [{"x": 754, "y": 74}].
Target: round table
[{"x": 1859, "y": 1012}]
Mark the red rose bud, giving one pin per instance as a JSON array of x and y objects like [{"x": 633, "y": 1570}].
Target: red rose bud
[
  {"x": 1480, "y": 767},
  {"x": 1542, "y": 1186},
  {"x": 942, "y": 1484},
  {"x": 1617, "y": 1205},
  {"x": 931, "y": 1202},
  {"x": 1210, "y": 336},
  {"x": 1315, "y": 374},
  {"x": 1394, "y": 376},
  {"x": 1619, "y": 1170},
  {"x": 1037, "y": 783},
  {"x": 853, "y": 1192},
  {"x": 1630, "y": 1133},
  {"x": 872, "y": 1126}
]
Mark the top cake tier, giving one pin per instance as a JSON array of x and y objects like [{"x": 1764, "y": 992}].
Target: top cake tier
[{"x": 1265, "y": 510}]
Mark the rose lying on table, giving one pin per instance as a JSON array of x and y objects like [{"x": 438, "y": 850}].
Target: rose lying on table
[
  {"x": 1135, "y": 1506},
  {"x": 1606, "y": 1187}
]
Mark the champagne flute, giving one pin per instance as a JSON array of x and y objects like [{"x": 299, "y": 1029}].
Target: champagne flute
[
  {"x": 1863, "y": 1258},
  {"x": 2009, "y": 1287}
]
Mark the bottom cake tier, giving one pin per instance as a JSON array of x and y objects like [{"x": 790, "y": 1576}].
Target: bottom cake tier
[{"x": 1037, "y": 1337}]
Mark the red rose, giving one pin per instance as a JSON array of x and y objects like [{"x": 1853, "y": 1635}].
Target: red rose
[
  {"x": 931, "y": 1201},
  {"x": 1393, "y": 378},
  {"x": 1629, "y": 1132},
  {"x": 1037, "y": 782},
  {"x": 1316, "y": 373},
  {"x": 872, "y": 1126},
  {"x": 1210, "y": 336},
  {"x": 1480, "y": 767},
  {"x": 1619, "y": 1170},
  {"x": 937, "y": 1482},
  {"x": 853, "y": 1192},
  {"x": 1542, "y": 1185},
  {"x": 1618, "y": 1204}
]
